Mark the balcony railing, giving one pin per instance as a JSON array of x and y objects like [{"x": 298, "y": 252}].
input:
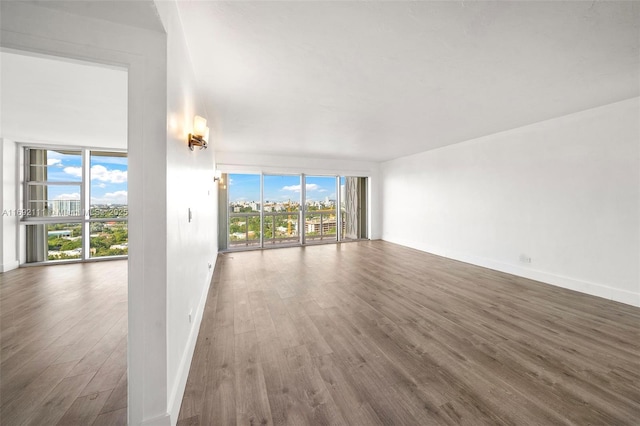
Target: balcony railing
[
  {"x": 320, "y": 225},
  {"x": 244, "y": 229},
  {"x": 278, "y": 228},
  {"x": 282, "y": 227}
]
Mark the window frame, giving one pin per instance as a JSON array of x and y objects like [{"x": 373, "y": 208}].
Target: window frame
[{"x": 84, "y": 184}]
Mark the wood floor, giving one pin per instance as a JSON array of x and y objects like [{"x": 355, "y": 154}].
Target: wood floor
[
  {"x": 63, "y": 338},
  {"x": 372, "y": 333}
]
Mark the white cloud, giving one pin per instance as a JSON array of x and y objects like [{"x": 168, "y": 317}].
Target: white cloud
[
  {"x": 117, "y": 197},
  {"x": 103, "y": 174},
  {"x": 101, "y": 185},
  {"x": 73, "y": 171},
  {"x": 72, "y": 196},
  {"x": 100, "y": 173},
  {"x": 322, "y": 190},
  {"x": 296, "y": 188},
  {"x": 53, "y": 161}
]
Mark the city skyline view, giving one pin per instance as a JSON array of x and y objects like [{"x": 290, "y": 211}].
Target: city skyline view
[
  {"x": 280, "y": 188},
  {"x": 280, "y": 215}
]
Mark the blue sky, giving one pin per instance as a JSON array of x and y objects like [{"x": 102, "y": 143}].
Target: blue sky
[
  {"x": 108, "y": 178},
  {"x": 280, "y": 188}
]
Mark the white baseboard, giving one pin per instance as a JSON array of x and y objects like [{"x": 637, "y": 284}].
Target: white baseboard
[
  {"x": 175, "y": 399},
  {"x": 593, "y": 289},
  {"x": 6, "y": 267}
]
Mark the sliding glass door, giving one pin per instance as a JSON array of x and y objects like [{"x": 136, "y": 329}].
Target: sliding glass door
[
  {"x": 321, "y": 215},
  {"x": 244, "y": 211},
  {"x": 282, "y": 209}
]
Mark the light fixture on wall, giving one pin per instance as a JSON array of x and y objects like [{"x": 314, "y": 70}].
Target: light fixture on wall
[
  {"x": 200, "y": 134},
  {"x": 218, "y": 176}
]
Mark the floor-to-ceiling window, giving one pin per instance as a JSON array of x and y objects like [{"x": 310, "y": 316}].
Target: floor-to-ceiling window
[
  {"x": 243, "y": 210},
  {"x": 75, "y": 204},
  {"x": 321, "y": 214},
  {"x": 53, "y": 204},
  {"x": 282, "y": 209},
  {"x": 108, "y": 212},
  {"x": 275, "y": 210}
]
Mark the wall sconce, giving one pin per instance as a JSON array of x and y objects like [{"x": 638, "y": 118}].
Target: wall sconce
[
  {"x": 218, "y": 176},
  {"x": 200, "y": 134}
]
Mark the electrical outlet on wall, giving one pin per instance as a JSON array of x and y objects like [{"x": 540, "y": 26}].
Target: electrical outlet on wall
[
  {"x": 525, "y": 259},
  {"x": 190, "y": 315}
]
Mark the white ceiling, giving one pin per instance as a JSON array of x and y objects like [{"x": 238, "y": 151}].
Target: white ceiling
[{"x": 379, "y": 80}]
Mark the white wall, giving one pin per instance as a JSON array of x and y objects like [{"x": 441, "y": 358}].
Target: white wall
[
  {"x": 192, "y": 247},
  {"x": 564, "y": 192},
  {"x": 257, "y": 163},
  {"x": 28, "y": 27},
  {"x": 169, "y": 256},
  {"x": 2, "y": 206},
  {"x": 8, "y": 196}
]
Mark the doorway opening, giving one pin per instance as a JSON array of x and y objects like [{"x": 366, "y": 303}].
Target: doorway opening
[{"x": 65, "y": 168}]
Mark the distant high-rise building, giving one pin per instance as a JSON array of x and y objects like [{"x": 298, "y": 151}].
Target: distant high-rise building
[{"x": 65, "y": 208}]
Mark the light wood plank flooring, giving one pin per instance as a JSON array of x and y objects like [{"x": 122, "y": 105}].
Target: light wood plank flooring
[
  {"x": 63, "y": 339},
  {"x": 372, "y": 333}
]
